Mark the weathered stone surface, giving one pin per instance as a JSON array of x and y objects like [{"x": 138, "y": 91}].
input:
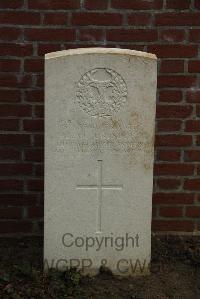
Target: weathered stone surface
[{"x": 99, "y": 137}]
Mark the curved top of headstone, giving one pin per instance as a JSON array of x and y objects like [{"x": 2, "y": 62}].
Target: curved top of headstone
[{"x": 82, "y": 51}]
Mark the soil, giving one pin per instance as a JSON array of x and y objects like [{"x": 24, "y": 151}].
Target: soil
[{"x": 175, "y": 274}]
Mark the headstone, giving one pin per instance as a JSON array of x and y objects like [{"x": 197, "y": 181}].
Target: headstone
[{"x": 99, "y": 140}]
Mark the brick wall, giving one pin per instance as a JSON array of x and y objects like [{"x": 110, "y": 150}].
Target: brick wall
[{"x": 31, "y": 28}]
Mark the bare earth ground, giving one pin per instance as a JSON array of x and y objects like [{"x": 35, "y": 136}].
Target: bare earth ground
[{"x": 175, "y": 274}]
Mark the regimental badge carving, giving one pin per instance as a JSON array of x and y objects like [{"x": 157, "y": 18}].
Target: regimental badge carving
[{"x": 101, "y": 92}]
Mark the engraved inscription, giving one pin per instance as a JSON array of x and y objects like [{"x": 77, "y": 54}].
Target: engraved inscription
[
  {"x": 100, "y": 187},
  {"x": 101, "y": 91},
  {"x": 107, "y": 135}
]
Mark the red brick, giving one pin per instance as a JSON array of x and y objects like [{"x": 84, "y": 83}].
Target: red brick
[
  {"x": 39, "y": 170},
  {"x": 154, "y": 212},
  {"x": 169, "y": 125},
  {"x": 15, "y": 169},
  {"x": 173, "y": 198},
  {"x": 193, "y": 212},
  {"x": 55, "y": 18},
  {"x": 35, "y": 212},
  {"x": 39, "y": 111},
  {"x": 15, "y": 110},
  {"x": 173, "y": 140},
  {"x": 12, "y": 4},
  {"x": 98, "y": 19},
  {"x": 77, "y": 45},
  {"x": 39, "y": 140},
  {"x": 177, "y": 81},
  {"x": 131, "y": 35},
  {"x": 9, "y": 96},
  {"x": 170, "y": 225},
  {"x": 178, "y": 19},
  {"x": 44, "y": 34},
  {"x": 173, "y": 51},
  {"x": 192, "y": 156},
  {"x": 34, "y": 95},
  {"x": 40, "y": 81},
  {"x": 177, "y": 4},
  {"x": 10, "y": 213},
  {"x": 19, "y": 18},
  {"x": 35, "y": 185},
  {"x": 9, "y": 124},
  {"x": 20, "y": 199},
  {"x": 174, "y": 169},
  {"x": 198, "y": 140},
  {"x": 172, "y": 35},
  {"x": 53, "y": 4},
  {"x": 34, "y": 65},
  {"x": 14, "y": 49},
  {"x": 11, "y": 227},
  {"x": 97, "y": 4},
  {"x": 47, "y": 48},
  {"x": 198, "y": 197},
  {"x": 173, "y": 111},
  {"x": 69, "y": 46},
  {"x": 137, "y": 4},
  {"x": 194, "y": 35},
  {"x": 91, "y": 35},
  {"x": 9, "y": 154},
  {"x": 24, "y": 81},
  {"x": 193, "y": 96},
  {"x": 10, "y": 65},
  {"x": 168, "y": 155},
  {"x": 139, "y": 19},
  {"x": 168, "y": 184},
  {"x": 11, "y": 185},
  {"x": 171, "y": 212},
  {"x": 10, "y": 33},
  {"x": 170, "y": 96},
  {"x": 172, "y": 66},
  {"x": 33, "y": 125},
  {"x": 41, "y": 226},
  {"x": 198, "y": 110},
  {"x": 194, "y": 66},
  {"x": 192, "y": 184},
  {"x": 8, "y": 80},
  {"x": 14, "y": 139},
  {"x": 35, "y": 155},
  {"x": 192, "y": 126},
  {"x": 197, "y": 4}
]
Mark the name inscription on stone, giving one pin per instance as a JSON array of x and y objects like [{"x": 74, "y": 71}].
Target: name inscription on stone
[{"x": 106, "y": 135}]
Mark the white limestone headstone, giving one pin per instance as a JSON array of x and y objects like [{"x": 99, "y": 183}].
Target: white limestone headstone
[{"x": 99, "y": 137}]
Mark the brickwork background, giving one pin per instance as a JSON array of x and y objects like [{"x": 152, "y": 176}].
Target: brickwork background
[{"x": 168, "y": 28}]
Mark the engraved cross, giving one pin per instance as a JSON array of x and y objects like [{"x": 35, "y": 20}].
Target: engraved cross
[{"x": 100, "y": 187}]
